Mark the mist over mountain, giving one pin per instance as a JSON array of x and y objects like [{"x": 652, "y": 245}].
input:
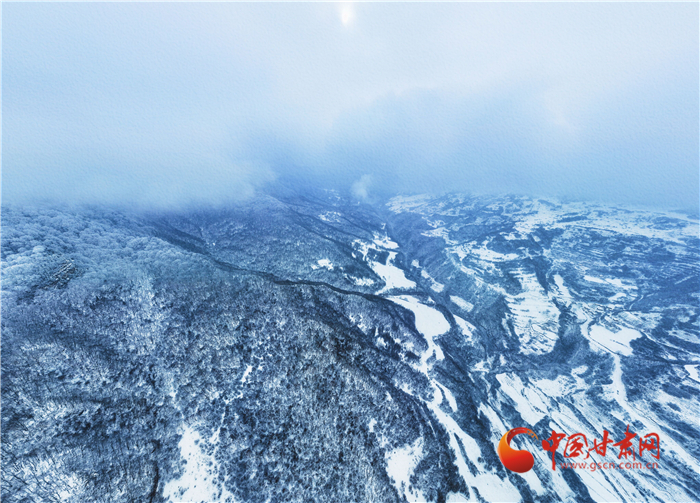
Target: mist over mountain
[{"x": 166, "y": 106}]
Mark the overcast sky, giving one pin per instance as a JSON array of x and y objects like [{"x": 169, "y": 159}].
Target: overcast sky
[{"x": 171, "y": 104}]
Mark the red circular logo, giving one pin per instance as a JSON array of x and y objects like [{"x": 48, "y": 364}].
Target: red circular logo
[{"x": 513, "y": 459}]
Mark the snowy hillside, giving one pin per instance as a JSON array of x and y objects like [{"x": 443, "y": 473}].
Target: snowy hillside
[{"x": 316, "y": 349}]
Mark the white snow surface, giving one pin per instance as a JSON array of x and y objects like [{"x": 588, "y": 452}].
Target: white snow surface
[
  {"x": 535, "y": 213},
  {"x": 456, "y": 498},
  {"x": 371, "y": 425},
  {"x": 361, "y": 281},
  {"x": 330, "y": 216},
  {"x": 534, "y": 315},
  {"x": 467, "y": 306},
  {"x": 246, "y": 373},
  {"x": 693, "y": 371},
  {"x": 616, "y": 282},
  {"x": 429, "y": 321},
  {"x": 530, "y": 404},
  {"x": 393, "y": 276},
  {"x": 485, "y": 254},
  {"x": 198, "y": 483},
  {"x": 536, "y": 399},
  {"x": 434, "y": 285},
  {"x": 563, "y": 399},
  {"x": 440, "y": 232},
  {"x": 466, "y": 328},
  {"x": 400, "y": 464},
  {"x": 385, "y": 242},
  {"x": 325, "y": 263},
  {"x": 614, "y": 342},
  {"x": 490, "y": 485},
  {"x": 563, "y": 290},
  {"x": 449, "y": 396}
]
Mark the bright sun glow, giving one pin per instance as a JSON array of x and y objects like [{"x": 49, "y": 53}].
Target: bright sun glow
[{"x": 347, "y": 15}]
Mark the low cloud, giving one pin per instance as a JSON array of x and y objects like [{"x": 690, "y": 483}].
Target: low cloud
[
  {"x": 360, "y": 189},
  {"x": 172, "y": 105}
]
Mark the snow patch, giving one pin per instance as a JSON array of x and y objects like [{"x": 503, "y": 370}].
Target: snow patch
[
  {"x": 616, "y": 282},
  {"x": 401, "y": 204},
  {"x": 385, "y": 242},
  {"x": 440, "y": 232},
  {"x": 490, "y": 485},
  {"x": 361, "y": 281},
  {"x": 593, "y": 279},
  {"x": 466, "y": 328},
  {"x": 199, "y": 482},
  {"x": 483, "y": 253},
  {"x": 429, "y": 321},
  {"x": 617, "y": 296},
  {"x": 393, "y": 276},
  {"x": 246, "y": 373},
  {"x": 535, "y": 317},
  {"x": 563, "y": 290},
  {"x": 330, "y": 216},
  {"x": 400, "y": 464},
  {"x": 614, "y": 342},
  {"x": 325, "y": 263},
  {"x": 529, "y": 404},
  {"x": 693, "y": 371},
  {"x": 434, "y": 285},
  {"x": 467, "y": 306},
  {"x": 72, "y": 484},
  {"x": 449, "y": 396},
  {"x": 480, "y": 367}
]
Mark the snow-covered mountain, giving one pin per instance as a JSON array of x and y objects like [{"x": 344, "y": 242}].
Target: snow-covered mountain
[{"x": 315, "y": 349}]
